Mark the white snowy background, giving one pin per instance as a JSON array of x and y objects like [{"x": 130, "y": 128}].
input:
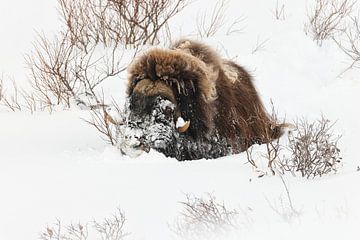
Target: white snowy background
[{"x": 55, "y": 166}]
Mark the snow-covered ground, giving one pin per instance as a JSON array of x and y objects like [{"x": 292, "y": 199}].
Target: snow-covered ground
[{"x": 55, "y": 166}]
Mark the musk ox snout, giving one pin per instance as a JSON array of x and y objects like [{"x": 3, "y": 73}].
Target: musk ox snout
[
  {"x": 149, "y": 127},
  {"x": 133, "y": 141}
]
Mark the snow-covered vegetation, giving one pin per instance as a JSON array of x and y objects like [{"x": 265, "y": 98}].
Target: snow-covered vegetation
[{"x": 62, "y": 96}]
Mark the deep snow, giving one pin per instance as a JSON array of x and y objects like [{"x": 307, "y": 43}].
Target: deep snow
[{"x": 55, "y": 166}]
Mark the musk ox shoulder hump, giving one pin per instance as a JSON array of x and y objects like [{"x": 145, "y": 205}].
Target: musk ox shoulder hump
[{"x": 172, "y": 67}]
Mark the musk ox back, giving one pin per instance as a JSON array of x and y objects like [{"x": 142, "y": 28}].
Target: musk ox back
[{"x": 188, "y": 103}]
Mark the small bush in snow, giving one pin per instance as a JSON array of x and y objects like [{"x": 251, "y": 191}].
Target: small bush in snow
[
  {"x": 110, "y": 229},
  {"x": 204, "y": 218},
  {"x": 313, "y": 148},
  {"x": 326, "y": 18}
]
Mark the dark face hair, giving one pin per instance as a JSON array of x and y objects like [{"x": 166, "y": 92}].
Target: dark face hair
[{"x": 150, "y": 124}]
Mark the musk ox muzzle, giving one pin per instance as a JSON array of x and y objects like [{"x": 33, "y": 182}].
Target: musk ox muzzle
[{"x": 150, "y": 123}]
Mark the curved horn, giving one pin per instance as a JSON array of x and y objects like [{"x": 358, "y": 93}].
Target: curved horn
[{"x": 184, "y": 128}]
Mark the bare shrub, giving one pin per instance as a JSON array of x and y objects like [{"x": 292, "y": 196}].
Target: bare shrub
[
  {"x": 314, "y": 150},
  {"x": 208, "y": 24},
  {"x": 326, "y": 18},
  {"x": 349, "y": 41},
  {"x": 126, "y": 22},
  {"x": 59, "y": 232},
  {"x": 50, "y": 65},
  {"x": 68, "y": 69},
  {"x": 63, "y": 74},
  {"x": 109, "y": 229},
  {"x": 204, "y": 217},
  {"x": 112, "y": 228}
]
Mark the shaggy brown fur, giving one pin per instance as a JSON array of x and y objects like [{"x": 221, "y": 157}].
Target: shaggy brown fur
[{"x": 217, "y": 96}]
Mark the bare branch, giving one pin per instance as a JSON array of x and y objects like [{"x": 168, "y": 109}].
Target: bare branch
[
  {"x": 279, "y": 11},
  {"x": 104, "y": 122},
  {"x": 327, "y": 18},
  {"x": 349, "y": 42},
  {"x": 208, "y": 26},
  {"x": 260, "y": 45},
  {"x": 10, "y": 101},
  {"x": 237, "y": 26}
]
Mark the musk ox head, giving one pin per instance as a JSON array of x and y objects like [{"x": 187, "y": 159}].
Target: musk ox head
[
  {"x": 188, "y": 103},
  {"x": 151, "y": 120},
  {"x": 169, "y": 98}
]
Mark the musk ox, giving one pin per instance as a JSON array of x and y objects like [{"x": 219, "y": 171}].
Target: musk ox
[{"x": 188, "y": 103}]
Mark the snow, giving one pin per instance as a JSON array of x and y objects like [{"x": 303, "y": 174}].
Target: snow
[{"x": 56, "y": 166}]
